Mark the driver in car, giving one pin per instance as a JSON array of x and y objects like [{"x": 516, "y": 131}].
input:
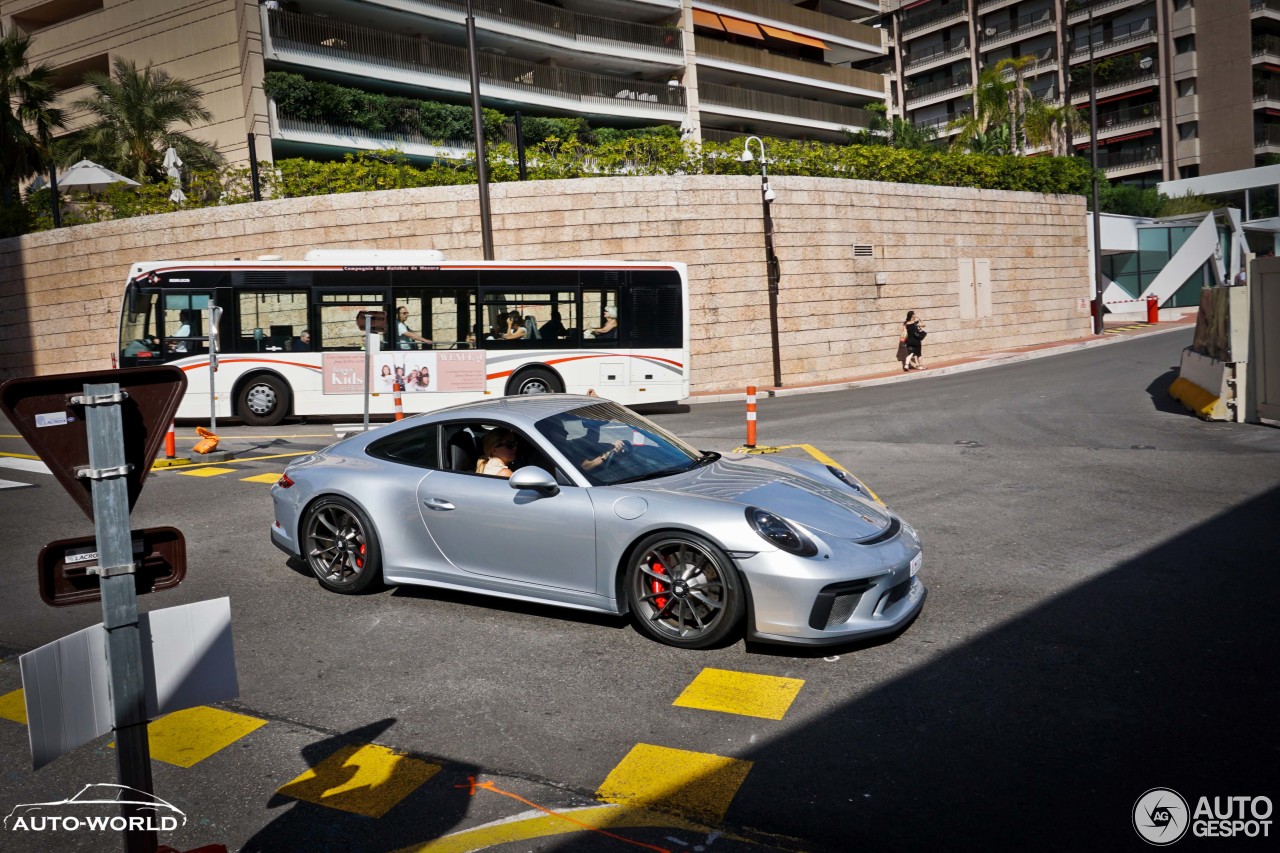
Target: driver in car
[{"x": 587, "y": 453}]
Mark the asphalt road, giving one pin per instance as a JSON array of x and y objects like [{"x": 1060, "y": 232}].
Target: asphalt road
[{"x": 1100, "y": 622}]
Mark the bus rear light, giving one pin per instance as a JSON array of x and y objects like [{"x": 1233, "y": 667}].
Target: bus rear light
[{"x": 284, "y": 482}]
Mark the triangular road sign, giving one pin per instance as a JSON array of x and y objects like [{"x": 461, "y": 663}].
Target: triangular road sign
[{"x": 40, "y": 408}]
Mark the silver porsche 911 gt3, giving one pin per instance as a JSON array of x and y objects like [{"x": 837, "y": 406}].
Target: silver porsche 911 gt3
[{"x": 605, "y": 511}]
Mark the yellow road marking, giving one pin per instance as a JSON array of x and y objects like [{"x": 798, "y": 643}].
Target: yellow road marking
[
  {"x": 20, "y": 455},
  {"x": 745, "y": 693},
  {"x": 10, "y": 436},
  {"x": 185, "y": 738},
  {"x": 13, "y": 706},
  {"x": 693, "y": 783},
  {"x": 261, "y": 478},
  {"x": 186, "y": 468},
  {"x": 366, "y": 780},
  {"x": 207, "y": 472}
]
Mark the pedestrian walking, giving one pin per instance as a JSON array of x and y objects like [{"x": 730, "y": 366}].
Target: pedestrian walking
[{"x": 911, "y": 338}]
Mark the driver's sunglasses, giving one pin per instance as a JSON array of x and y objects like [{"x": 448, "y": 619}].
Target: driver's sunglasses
[{"x": 508, "y": 444}]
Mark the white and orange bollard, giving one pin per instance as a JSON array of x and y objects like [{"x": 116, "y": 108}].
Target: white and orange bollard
[
  {"x": 751, "y": 417},
  {"x": 399, "y": 404},
  {"x": 170, "y": 443}
]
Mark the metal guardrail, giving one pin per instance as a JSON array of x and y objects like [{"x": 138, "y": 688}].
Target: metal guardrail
[
  {"x": 324, "y": 37},
  {"x": 1019, "y": 26},
  {"x": 942, "y": 51},
  {"x": 1265, "y": 44},
  {"x": 1269, "y": 135},
  {"x": 711, "y": 94},
  {"x": 1082, "y": 91},
  {"x": 563, "y": 23},
  {"x": 939, "y": 121},
  {"x": 1137, "y": 31},
  {"x": 935, "y": 15},
  {"x": 1124, "y": 159},
  {"x": 1266, "y": 90},
  {"x": 937, "y": 87}
]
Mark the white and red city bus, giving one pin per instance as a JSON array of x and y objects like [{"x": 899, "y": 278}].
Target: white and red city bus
[{"x": 290, "y": 336}]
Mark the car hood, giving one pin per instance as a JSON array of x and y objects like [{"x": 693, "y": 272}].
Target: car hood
[{"x": 780, "y": 489}]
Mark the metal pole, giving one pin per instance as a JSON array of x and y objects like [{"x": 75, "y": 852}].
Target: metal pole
[
  {"x": 524, "y": 173},
  {"x": 212, "y": 344},
  {"x": 53, "y": 188},
  {"x": 482, "y": 166},
  {"x": 110, "y": 489},
  {"x": 368, "y": 348},
  {"x": 1097, "y": 214},
  {"x": 253, "y": 168},
  {"x": 771, "y": 263}
]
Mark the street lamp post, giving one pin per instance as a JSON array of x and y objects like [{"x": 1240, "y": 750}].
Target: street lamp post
[
  {"x": 477, "y": 126},
  {"x": 1097, "y": 214},
  {"x": 770, "y": 258}
]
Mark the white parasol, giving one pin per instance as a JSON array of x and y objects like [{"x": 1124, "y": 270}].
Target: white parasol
[
  {"x": 87, "y": 176},
  {"x": 173, "y": 165}
]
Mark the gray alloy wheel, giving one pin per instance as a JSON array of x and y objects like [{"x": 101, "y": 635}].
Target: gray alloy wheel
[
  {"x": 684, "y": 590},
  {"x": 340, "y": 546},
  {"x": 536, "y": 382},
  {"x": 264, "y": 401}
]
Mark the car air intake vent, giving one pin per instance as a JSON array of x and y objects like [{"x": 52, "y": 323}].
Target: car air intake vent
[
  {"x": 836, "y": 603},
  {"x": 885, "y": 535}
]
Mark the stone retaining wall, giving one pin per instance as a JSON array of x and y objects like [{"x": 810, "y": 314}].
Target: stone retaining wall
[{"x": 60, "y": 291}]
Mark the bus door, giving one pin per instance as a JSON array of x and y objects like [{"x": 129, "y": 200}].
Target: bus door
[
  {"x": 437, "y": 304},
  {"x": 604, "y": 325}
]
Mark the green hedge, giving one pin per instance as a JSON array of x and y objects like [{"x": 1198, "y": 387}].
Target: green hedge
[{"x": 556, "y": 158}]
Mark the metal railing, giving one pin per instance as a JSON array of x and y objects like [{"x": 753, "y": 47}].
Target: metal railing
[
  {"x": 941, "y": 51},
  {"x": 1269, "y": 135},
  {"x": 1080, "y": 8},
  {"x": 392, "y": 137},
  {"x": 563, "y": 23},
  {"x": 1126, "y": 117},
  {"x": 710, "y": 94},
  {"x": 323, "y": 37},
  {"x": 1125, "y": 158},
  {"x": 1137, "y": 31},
  {"x": 935, "y": 15},
  {"x": 1019, "y": 26},
  {"x": 1266, "y": 44},
  {"x": 757, "y": 58},
  {"x": 1259, "y": 5},
  {"x": 1267, "y": 89},
  {"x": 1080, "y": 87},
  {"x": 937, "y": 87},
  {"x": 938, "y": 121}
]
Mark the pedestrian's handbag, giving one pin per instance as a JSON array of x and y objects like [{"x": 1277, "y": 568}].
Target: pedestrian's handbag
[{"x": 920, "y": 333}]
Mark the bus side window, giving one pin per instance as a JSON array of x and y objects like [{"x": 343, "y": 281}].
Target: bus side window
[{"x": 269, "y": 321}]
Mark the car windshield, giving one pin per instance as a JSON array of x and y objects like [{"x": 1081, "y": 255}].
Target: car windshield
[{"x": 611, "y": 445}]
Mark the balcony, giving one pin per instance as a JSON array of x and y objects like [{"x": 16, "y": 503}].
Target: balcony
[
  {"x": 818, "y": 23},
  {"x": 992, "y": 5},
  {"x": 935, "y": 17},
  {"x": 782, "y": 109},
  {"x": 383, "y": 58},
  {"x": 771, "y": 65},
  {"x": 575, "y": 31},
  {"x": 1266, "y": 140},
  {"x": 1078, "y": 10},
  {"x": 925, "y": 93},
  {"x": 920, "y": 60},
  {"x": 940, "y": 124},
  {"x": 302, "y": 132},
  {"x": 1130, "y": 161},
  {"x": 1265, "y": 9},
  {"x": 1266, "y": 93},
  {"x": 1023, "y": 27},
  {"x": 1126, "y": 120},
  {"x": 1112, "y": 84},
  {"x": 1138, "y": 33},
  {"x": 1266, "y": 48}
]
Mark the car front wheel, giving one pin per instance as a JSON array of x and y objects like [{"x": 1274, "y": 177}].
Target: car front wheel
[
  {"x": 684, "y": 591},
  {"x": 340, "y": 546}
]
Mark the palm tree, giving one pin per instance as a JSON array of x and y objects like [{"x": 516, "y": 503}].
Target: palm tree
[
  {"x": 26, "y": 103},
  {"x": 136, "y": 111},
  {"x": 894, "y": 132},
  {"x": 1053, "y": 125},
  {"x": 980, "y": 130},
  {"x": 1017, "y": 96}
]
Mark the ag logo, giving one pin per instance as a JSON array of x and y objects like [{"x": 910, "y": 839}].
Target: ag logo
[{"x": 1160, "y": 816}]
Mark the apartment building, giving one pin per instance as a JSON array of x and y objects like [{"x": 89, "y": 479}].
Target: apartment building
[
  {"x": 1183, "y": 87},
  {"x": 713, "y": 68}
]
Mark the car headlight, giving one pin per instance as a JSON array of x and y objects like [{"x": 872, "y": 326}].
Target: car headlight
[
  {"x": 779, "y": 531},
  {"x": 847, "y": 478}
]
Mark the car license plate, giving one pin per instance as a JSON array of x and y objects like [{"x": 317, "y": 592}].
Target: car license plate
[{"x": 916, "y": 562}]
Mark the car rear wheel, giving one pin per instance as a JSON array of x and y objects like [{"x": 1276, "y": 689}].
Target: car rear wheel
[
  {"x": 264, "y": 401},
  {"x": 340, "y": 546},
  {"x": 684, "y": 591}
]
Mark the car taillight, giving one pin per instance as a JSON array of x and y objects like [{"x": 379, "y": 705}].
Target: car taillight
[{"x": 284, "y": 482}]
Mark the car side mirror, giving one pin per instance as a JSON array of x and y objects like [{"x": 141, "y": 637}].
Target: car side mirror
[{"x": 532, "y": 477}]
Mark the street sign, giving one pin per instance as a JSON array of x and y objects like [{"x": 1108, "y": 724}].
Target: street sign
[
  {"x": 66, "y": 567},
  {"x": 49, "y": 412}
]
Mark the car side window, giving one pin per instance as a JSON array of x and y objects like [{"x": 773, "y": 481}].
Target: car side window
[
  {"x": 464, "y": 448},
  {"x": 419, "y": 447}
]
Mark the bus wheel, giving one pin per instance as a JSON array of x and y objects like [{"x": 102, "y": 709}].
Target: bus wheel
[
  {"x": 536, "y": 381},
  {"x": 263, "y": 401}
]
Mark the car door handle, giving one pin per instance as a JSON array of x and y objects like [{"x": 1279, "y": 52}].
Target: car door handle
[{"x": 438, "y": 504}]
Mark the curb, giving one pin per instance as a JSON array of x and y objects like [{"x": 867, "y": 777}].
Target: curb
[{"x": 976, "y": 362}]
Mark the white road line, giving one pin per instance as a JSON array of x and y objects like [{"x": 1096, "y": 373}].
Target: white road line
[
  {"x": 10, "y": 484},
  {"x": 33, "y": 465}
]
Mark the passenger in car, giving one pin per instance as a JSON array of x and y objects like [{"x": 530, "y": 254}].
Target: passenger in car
[{"x": 499, "y": 447}]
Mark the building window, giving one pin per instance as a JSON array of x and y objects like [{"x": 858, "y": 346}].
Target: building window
[
  {"x": 1186, "y": 87},
  {"x": 1188, "y": 130},
  {"x": 1179, "y": 5},
  {"x": 1184, "y": 44}
]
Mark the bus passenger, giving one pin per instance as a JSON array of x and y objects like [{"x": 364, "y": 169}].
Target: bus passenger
[
  {"x": 610, "y": 328},
  {"x": 515, "y": 327},
  {"x": 406, "y": 336}
]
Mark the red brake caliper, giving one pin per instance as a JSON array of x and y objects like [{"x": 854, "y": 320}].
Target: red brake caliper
[
  {"x": 360, "y": 559},
  {"x": 657, "y": 586}
]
